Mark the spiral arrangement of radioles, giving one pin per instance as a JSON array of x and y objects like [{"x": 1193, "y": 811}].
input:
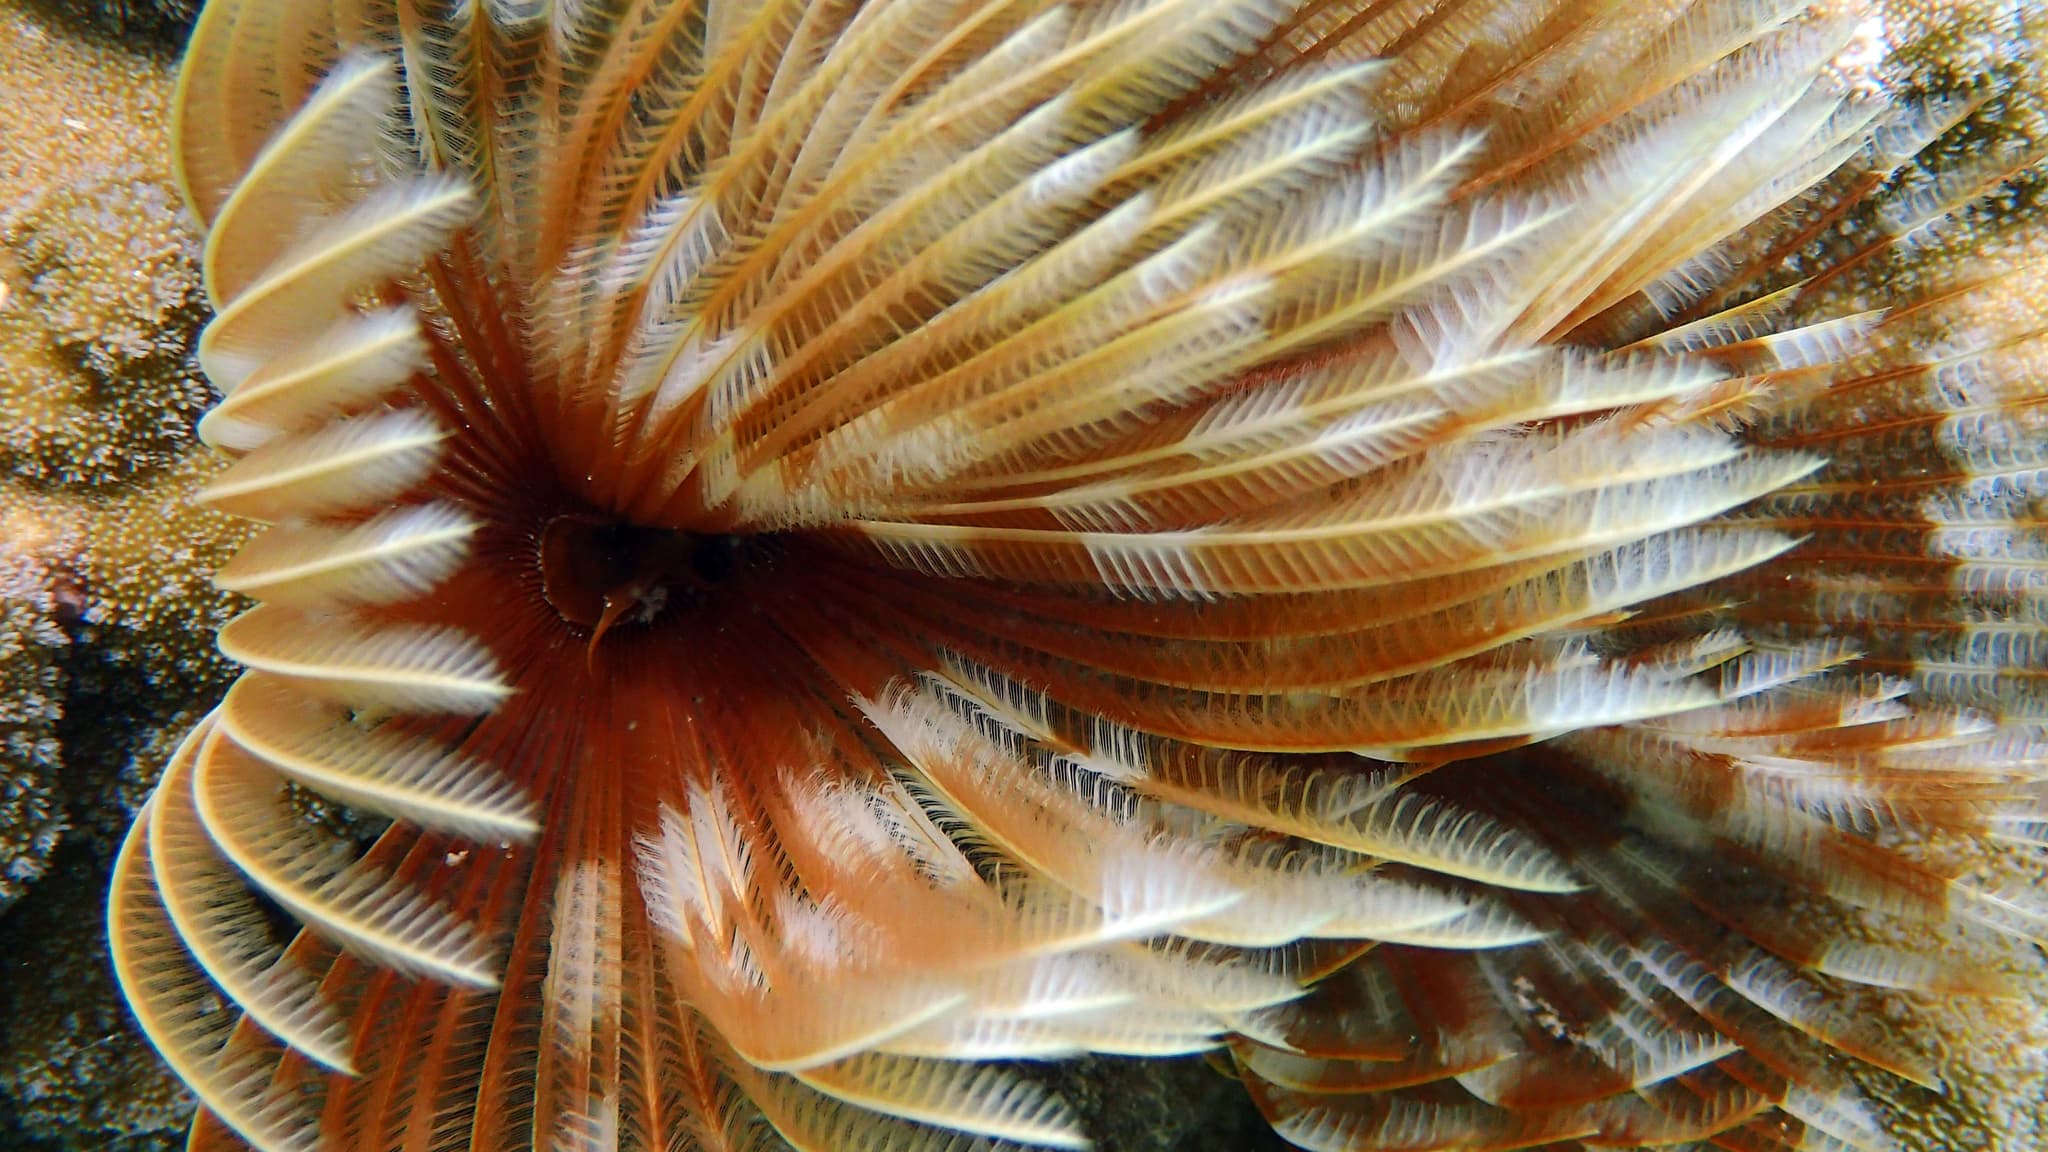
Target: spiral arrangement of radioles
[{"x": 1455, "y": 552}]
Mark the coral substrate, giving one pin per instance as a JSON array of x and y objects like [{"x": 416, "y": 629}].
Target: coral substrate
[
  {"x": 72, "y": 1075},
  {"x": 31, "y": 701},
  {"x": 98, "y": 375},
  {"x": 106, "y": 602},
  {"x": 164, "y": 21}
]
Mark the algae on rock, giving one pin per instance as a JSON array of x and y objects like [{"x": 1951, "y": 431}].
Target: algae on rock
[
  {"x": 97, "y": 373},
  {"x": 106, "y": 603},
  {"x": 31, "y": 702},
  {"x": 72, "y": 1074},
  {"x": 168, "y": 19}
]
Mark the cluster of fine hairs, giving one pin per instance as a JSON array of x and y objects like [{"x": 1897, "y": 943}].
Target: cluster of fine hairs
[{"x": 1404, "y": 544}]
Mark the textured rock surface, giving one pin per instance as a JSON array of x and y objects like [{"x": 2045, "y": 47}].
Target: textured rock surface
[
  {"x": 31, "y": 701},
  {"x": 106, "y": 610},
  {"x": 165, "y": 19},
  {"x": 73, "y": 1075},
  {"x": 1994, "y": 1053},
  {"x": 1154, "y": 1105},
  {"x": 96, "y": 363}
]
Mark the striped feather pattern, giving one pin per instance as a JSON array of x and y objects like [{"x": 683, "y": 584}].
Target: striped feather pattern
[{"x": 1457, "y": 555}]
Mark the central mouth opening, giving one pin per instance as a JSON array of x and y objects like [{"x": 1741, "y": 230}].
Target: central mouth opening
[{"x": 601, "y": 572}]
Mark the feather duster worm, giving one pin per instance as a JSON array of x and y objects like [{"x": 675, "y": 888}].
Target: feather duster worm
[{"x": 856, "y": 540}]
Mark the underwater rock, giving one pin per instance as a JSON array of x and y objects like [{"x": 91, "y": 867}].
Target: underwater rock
[
  {"x": 74, "y": 1074},
  {"x": 74, "y": 101},
  {"x": 97, "y": 374},
  {"x": 99, "y": 311},
  {"x": 106, "y": 603},
  {"x": 1184, "y": 1105},
  {"x": 31, "y": 702},
  {"x": 143, "y": 664},
  {"x": 140, "y": 20}
]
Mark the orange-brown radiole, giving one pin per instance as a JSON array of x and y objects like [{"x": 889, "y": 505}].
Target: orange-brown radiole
[{"x": 858, "y": 540}]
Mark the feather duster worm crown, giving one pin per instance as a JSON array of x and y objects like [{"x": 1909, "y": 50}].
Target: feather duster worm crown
[{"x": 855, "y": 540}]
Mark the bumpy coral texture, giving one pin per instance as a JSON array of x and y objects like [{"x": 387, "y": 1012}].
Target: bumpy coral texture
[
  {"x": 98, "y": 391},
  {"x": 1477, "y": 562},
  {"x": 99, "y": 387},
  {"x": 108, "y": 600},
  {"x": 99, "y": 381},
  {"x": 31, "y": 703},
  {"x": 163, "y": 20},
  {"x": 72, "y": 1073}
]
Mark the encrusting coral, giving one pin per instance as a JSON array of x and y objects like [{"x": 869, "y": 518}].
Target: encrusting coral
[
  {"x": 163, "y": 19},
  {"x": 72, "y": 1076},
  {"x": 99, "y": 386},
  {"x": 75, "y": 104},
  {"x": 95, "y": 369},
  {"x": 99, "y": 389},
  {"x": 1478, "y": 560},
  {"x": 31, "y": 818},
  {"x": 99, "y": 291},
  {"x": 99, "y": 285},
  {"x": 106, "y": 564},
  {"x": 98, "y": 382}
]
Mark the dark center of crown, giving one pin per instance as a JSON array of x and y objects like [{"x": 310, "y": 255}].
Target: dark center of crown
[{"x": 601, "y": 572}]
